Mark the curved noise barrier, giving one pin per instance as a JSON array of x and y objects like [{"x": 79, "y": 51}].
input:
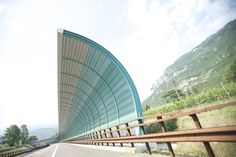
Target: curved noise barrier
[{"x": 94, "y": 89}]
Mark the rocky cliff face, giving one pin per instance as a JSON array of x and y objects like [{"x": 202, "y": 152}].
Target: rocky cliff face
[{"x": 203, "y": 67}]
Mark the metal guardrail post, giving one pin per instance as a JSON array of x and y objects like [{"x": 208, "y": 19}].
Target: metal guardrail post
[
  {"x": 118, "y": 132},
  {"x": 129, "y": 133},
  {"x": 206, "y": 144},
  {"x": 111, "y": 134},
  {"x": 97, "y": 137},
  {"x": 94, "y": 137},
  {"x": 163, "y": 129},
  {"x": 143, "y": 131},
  {"x": 84, "y": 138},
  {"x": 91, "y": 138},
  {"x": 88, "y": 139},
  {"x": 100, "y": 132},
  {"x": 105, "y": 134}
]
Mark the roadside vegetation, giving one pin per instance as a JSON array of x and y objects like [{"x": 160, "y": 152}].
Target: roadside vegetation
[
  {"x": 179, "y": 100},
  {"x": 210, "y": 96},
  {"x": 16, "y": 138}
]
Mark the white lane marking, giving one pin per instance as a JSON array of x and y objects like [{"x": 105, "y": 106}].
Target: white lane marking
[{"x": 54, "y": 153}]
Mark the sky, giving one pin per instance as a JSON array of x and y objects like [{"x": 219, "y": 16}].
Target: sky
[{"x": 146, "y": 36}]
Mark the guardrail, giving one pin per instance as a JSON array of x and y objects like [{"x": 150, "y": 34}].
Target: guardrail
[
  {"x": 19, "y": 152},
  {"x": 10, "y": 154},
  {"x": 115, "y": 134}
]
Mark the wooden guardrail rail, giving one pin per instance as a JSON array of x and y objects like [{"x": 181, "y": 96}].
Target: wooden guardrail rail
[{"x": 122, "y": 133}]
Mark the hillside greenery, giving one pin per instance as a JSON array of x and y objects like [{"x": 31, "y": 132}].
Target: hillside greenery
[
  {"x": 209, "y": 96},
  {"x": 230, "y": 75},
  {"x": 202, "y": 68},
  {"x": 226, "y": 116}
]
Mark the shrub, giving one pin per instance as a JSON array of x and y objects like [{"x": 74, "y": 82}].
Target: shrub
[
  {"x": 170, "y": 125},
  {"x": 213, "y": 94}
]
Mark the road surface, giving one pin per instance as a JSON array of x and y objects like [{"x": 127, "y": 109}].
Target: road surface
[{"x": 72, "y": 150}]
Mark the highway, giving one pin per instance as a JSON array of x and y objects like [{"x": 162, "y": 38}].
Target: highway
[{"x": 71, "y": 150}]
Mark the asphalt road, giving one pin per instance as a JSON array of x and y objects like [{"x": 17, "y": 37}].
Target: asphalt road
[{"x": 71, "y": 150}]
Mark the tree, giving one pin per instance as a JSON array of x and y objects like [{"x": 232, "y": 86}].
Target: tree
[
  {"x": 147, "y": 107},
  {"x": 170, "y": 125},
  {"x": 172, "y": 95},
  {"x": 230, "y": 75},
  {"x": 12, "y": 135},
  {"x": 24, "y": 134},
  {"x": 32, "y": 139}
]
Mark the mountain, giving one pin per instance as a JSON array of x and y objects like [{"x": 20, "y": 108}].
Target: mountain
[
  {"x": 43, "y": 132},
  {"x": 201, "y": 68}
]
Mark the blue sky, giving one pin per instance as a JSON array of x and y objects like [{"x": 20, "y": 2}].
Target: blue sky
[{"x": 145, "y": 35}]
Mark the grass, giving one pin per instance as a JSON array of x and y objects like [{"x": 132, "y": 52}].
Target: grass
[
  {"x": 4, "y": 148},
  {"x": 221, "y": 117}
]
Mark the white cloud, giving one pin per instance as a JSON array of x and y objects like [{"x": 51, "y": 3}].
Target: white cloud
[
  {"x": 28, "y": 66},
  {"x": 2, "y": 7},
  {"x": 163, "y": 31}
]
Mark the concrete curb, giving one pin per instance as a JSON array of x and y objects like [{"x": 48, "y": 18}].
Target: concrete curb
[{"x": 110, "y": 148}]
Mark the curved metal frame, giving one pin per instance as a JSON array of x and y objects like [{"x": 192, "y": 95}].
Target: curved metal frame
[{"x": 71, "y": 114}]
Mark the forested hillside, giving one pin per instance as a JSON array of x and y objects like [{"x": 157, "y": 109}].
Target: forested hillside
[{"x": 200, "y": 69}]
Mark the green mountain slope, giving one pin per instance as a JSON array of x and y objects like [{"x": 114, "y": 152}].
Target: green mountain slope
[
  {"x": 203, "y": 67},
  {"x": 44, "y": 133}
]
